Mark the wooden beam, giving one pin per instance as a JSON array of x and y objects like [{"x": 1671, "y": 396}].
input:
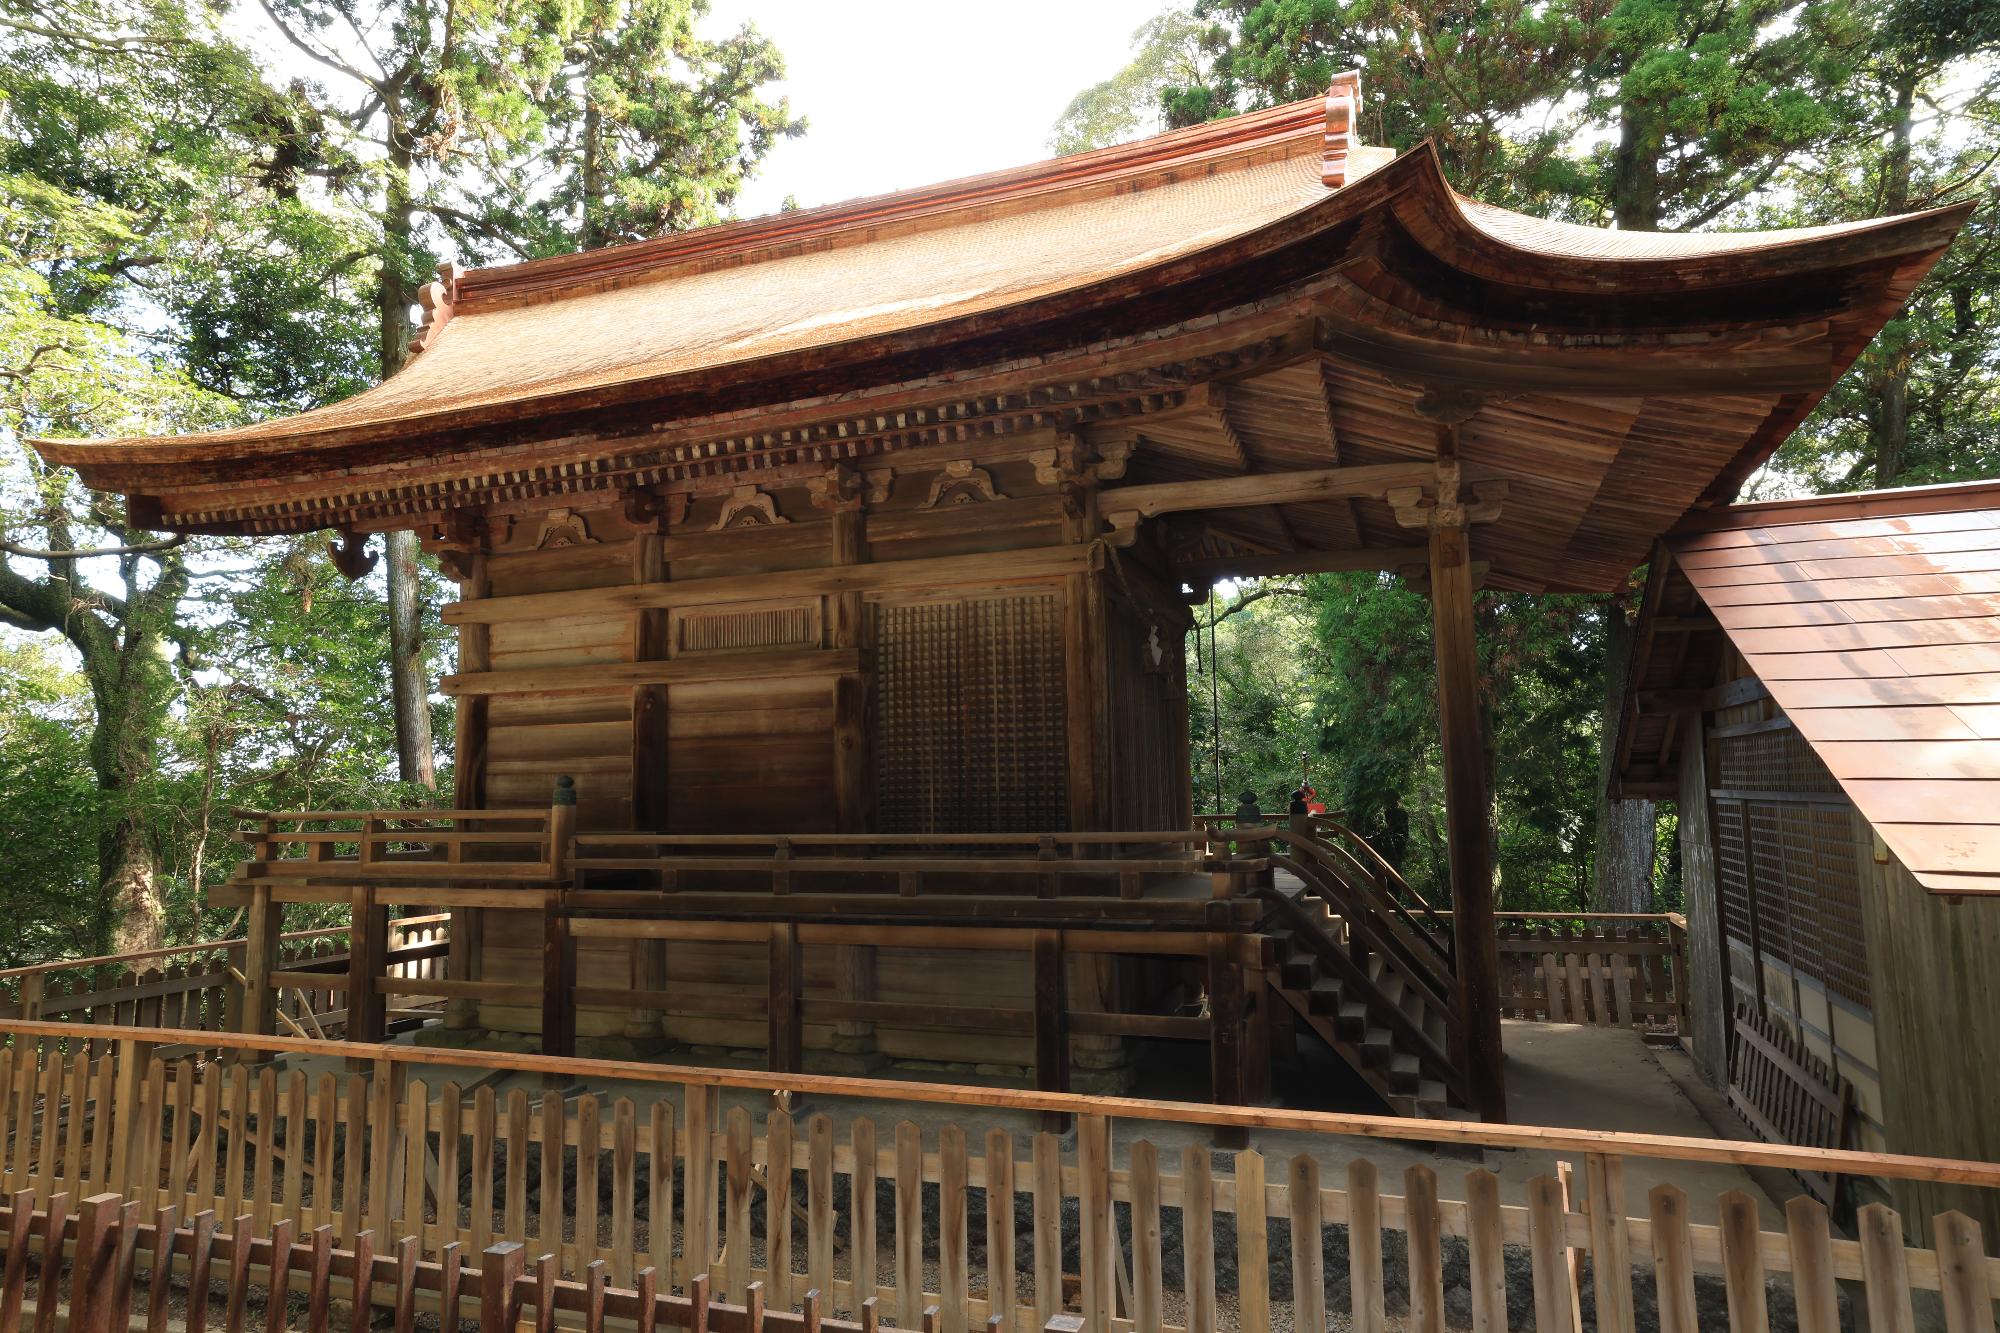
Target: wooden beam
[
  {"x": 1370, "y": 482},
  {"x": 885, "y": 576},
  {"x": 1654, "y": 702},
  {"x": 1468, "y": 841},
  {"x": 788, "y": 663}
]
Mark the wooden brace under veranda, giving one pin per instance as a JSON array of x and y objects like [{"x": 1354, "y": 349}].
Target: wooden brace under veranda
[{"x": 349, "y": 1168}]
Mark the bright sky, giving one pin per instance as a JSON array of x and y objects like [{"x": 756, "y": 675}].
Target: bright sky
[{"x": 901, "y": 93}]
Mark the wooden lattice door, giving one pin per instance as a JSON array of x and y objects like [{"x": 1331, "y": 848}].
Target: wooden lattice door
[{"x": 969, "y": 715}]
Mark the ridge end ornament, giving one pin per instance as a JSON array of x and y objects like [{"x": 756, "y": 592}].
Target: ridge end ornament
[
  {"x": 438, "y": 299},
  {"x": 1343, "y": 127}
]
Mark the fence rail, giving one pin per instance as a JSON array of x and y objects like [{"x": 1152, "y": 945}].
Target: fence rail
[
  {"x": 114, "y": 1256},
  {"x": 1132, "y": 1224},
  {"x": 198, "y": 987}
]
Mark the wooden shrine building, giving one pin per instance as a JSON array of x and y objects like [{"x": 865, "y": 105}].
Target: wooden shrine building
[
  {"x": 879, "y": 521},
  {"x": 1817, "y": 684}
]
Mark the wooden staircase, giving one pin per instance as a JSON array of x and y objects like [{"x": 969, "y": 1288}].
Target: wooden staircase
[{"x": 1366, "y": 964}]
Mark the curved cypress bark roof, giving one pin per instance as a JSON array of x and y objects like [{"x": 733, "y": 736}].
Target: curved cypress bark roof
[{"x": 1626, "y": 377}]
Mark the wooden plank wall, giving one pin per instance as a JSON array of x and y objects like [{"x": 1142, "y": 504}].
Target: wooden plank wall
[
  {"x": 1937, "y": 1027},
  {"x": 801, "y": 752}
]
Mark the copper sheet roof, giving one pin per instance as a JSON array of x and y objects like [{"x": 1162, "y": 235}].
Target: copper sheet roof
[{"x": 1874, "y": 622}]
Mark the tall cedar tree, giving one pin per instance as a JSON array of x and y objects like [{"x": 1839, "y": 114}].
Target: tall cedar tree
[{"x": 467, "y": 119}]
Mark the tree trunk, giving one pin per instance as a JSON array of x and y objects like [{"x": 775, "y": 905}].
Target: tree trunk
[
  {"x": 1889, "y": 416},
  {"x": 1622, "y": 880},
  {"x": 1635, "y": 200},
  {"x": 137, "y": 914},
  {"x": 132, "y": 691},
  {"x": 409, "y": 683}
]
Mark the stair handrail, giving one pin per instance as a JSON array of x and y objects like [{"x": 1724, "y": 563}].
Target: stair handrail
[
  {"x": 1392, "y": 878},
  {"x": 1372, "y": 896},
  {"x": 1340, "y": 859},
  {"x": 1364, "y": 912}
]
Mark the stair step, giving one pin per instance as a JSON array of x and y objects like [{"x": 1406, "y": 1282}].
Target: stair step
[
  {"x": 1377, "y": 1048},
  {"x": 1297, "y": 969},
  {"x": 1323, "y": 997},
  {"x": 1405, "y": 1072},
  {"x": 1433, "y": 1102},
  {"x": 1352, "y": 1021}
]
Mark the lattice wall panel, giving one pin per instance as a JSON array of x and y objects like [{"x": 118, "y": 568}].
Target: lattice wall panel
[
  {"x": 747, "y": 629},
  {"x": 969, "y": 716},
  {"x": 1730, "y": 866},
  {"x": 1799, "y": 874},
  {"x": 1778, "y": 760}
]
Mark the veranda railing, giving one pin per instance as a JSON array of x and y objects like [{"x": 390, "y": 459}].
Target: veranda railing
[
  {"x": 198, "y": 987},
  {"x": 1130, "y": 1221}
]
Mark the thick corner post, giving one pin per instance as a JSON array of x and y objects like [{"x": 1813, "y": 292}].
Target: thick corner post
[
  {"x": 558, "y": 946},
  {"x": 1468, "y": 830},
  {"x": 367, "y": 947}
]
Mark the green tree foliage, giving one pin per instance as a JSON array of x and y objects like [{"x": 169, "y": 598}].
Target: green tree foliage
[
  {"x": 185, "y": 244},
  {"x": 48, "y": 876},
  {"x": 1340, "y": 668},
  {"x": 1168, "y": 53},
  {"x": 1643, "y": 114}
]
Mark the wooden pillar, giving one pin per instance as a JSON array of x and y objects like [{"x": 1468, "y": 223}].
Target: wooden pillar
[
  {"x": 558, "y": 978},
  {"x": 1051, "y": 1019},
  {"x": 1094, "y": 982},
  {"x": 1467, "y": 810},
  {"x": 786, "y": 1048},
  {"x": 259, "y": 1014},
  {"x": 558, "y": 945},
  {"x": 854, "y": 965},
  {"x": 469, "y": 787},
  {"x": 1083, "y": 647},
  {"x": 649, "y": 769},
  {"x": 367, "y": 946},
  {"x": 1226, "y": 1010}
]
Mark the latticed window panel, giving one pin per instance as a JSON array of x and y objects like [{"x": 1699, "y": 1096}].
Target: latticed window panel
[
  {"x": 1843, "y": 936},
  {"x": 1730, "y": 864},
  {"x": 1768, "y": 875},
  {"x": 1798, "y": 872},
  {"x": 969, "y": 716},
  {"x": 1776, "y": 760}
]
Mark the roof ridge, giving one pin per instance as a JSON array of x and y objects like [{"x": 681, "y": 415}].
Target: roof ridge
[
  {"x": 1213, "y": 141},
  {"x": 1941, "y": 497}
]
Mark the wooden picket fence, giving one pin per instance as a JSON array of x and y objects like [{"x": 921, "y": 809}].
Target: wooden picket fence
[
  {"x": 118, "y": 1263},
  {"x": 1597, "y": 970},
  {"x": 990, "y": 1225}
]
